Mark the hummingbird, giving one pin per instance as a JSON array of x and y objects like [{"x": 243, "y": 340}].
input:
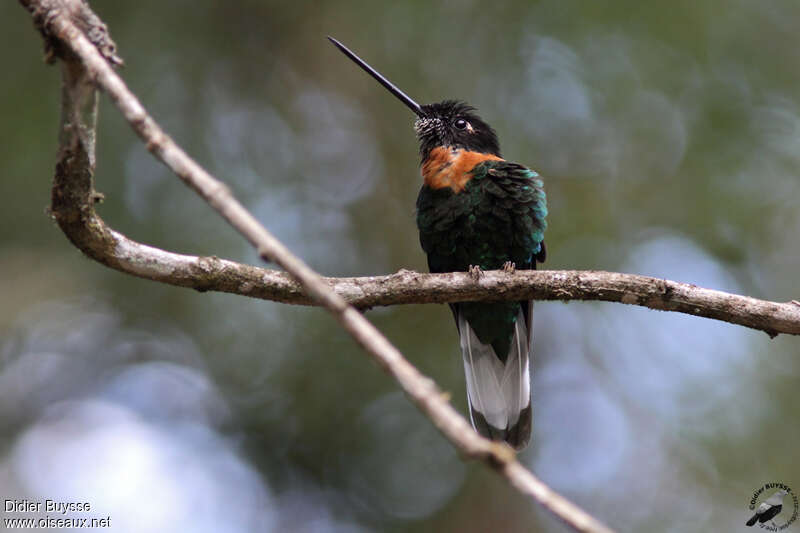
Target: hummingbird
[{"x": 476, "y": 211}]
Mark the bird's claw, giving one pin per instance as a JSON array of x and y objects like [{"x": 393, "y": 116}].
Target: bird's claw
[
  {"x": 476, "y": 272},
  {"x": 509, "y": 267}
]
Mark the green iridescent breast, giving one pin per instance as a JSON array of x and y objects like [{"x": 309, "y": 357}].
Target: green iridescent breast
[{"x": 499, "y": 216}]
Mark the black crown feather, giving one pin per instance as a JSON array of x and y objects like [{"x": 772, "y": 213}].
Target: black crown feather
[{"x": 437, "y": 127}]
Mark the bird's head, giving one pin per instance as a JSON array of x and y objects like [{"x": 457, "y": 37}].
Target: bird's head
[
  {"x": 454, "y": 124},
  {"x": 449, "y": 123}
]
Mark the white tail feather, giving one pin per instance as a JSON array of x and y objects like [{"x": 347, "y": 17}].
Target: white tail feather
[{"x": 497, "y": 390}]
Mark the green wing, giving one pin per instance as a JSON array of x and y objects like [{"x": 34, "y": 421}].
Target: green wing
[{"x": 499, "y": 216}]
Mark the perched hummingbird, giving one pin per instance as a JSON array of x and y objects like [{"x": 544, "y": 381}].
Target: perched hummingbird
[{"x": 476, "y": 211}]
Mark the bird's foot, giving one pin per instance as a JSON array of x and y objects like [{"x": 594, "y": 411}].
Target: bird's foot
[
  {"x": 795, "y": 302},
  {"x": 509, "y": 267},
  {"x": 476, "y": 272}
]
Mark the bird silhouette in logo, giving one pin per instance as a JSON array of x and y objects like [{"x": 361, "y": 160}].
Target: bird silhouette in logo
[{"x": 769, "y": 508}]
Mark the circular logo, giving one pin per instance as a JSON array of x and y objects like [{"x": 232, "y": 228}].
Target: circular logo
[{"x": 773, "y": 507}]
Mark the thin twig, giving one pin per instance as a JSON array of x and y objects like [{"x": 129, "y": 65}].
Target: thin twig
[{"x": 73, "y": 177}]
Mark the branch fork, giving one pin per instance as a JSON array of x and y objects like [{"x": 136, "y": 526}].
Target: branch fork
[{"x": 74, "y": 34}]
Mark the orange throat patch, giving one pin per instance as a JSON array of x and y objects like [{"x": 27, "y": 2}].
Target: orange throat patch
[{"x": 450, "y": 167}]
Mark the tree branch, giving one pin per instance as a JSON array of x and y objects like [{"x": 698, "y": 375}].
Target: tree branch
[
  {"x": 97, "y": 240},
  {"x": 117, "y": 251},
  {"x": 73, "y": 199}
]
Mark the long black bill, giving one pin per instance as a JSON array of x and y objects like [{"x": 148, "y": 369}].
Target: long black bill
[{"x": 415, "y": 107}]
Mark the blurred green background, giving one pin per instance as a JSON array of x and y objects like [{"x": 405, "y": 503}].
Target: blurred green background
[{"x": 669, "y": 138}]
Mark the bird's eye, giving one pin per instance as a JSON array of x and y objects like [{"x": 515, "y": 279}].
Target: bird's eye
[{"x": 460, "y": 124}]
